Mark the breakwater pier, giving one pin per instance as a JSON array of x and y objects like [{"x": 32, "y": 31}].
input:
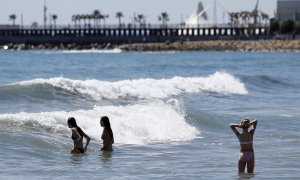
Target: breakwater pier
[{"x": 115, "y": 35}]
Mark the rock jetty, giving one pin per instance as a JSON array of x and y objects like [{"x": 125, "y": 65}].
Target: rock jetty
[{"x": 217, "y": 45}]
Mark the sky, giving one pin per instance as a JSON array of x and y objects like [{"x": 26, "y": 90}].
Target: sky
[{"x": 178, "y": 10}]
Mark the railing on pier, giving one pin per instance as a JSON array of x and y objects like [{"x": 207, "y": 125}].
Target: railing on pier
[
  {"x": 138, "y": 26},
  {"x": 121, "y": 34}
]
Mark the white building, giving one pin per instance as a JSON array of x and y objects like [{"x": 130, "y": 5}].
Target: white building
[
  {"x": 198, "y": 17},
  {"x": 288, "y": 10}
]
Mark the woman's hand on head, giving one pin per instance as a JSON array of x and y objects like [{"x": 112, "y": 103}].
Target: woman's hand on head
[{"x": 235, "y": 125}]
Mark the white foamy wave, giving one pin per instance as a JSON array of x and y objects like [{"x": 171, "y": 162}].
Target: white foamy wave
[
  {"x": 116, "y": 50},
  {"x": 219, "y": 82},
  {"x": 134, "y": 124},
  {"x": 108, "y": 51}
]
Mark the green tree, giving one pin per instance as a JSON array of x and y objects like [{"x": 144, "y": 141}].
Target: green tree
[
  {"x": 140, "y": 18},
  {"x": 104, "y": 17},
  {"x": 78, "y": 18},
  {"x": 287, "y": 27},
  {"x": 119, "y": 15},
  {"x": 34, "y": 25},
  {"x": 54, "y": 18},
  {"x": 164, "y": 17},
  {"x": 96, "y": 16},
  {"x": 13, "y": 18},
  {"x": 274, "y": 27},
  {"x": 74, "y": 18}
]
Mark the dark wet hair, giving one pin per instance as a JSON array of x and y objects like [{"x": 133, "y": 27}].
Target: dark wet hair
[
  {"x": 245, "y": 120},
  {"x": 106, "y": 124},
  {"x": 72, "y": 122}
]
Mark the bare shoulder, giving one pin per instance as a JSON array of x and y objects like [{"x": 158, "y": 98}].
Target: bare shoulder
[
  {"x": 74, "y": 129},
  {"x": 106, "y": 132}
]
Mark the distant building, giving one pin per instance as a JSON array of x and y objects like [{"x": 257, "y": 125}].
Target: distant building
[
  {"x": 198, "y": 17},
  {"x": 288, "y": 10}
]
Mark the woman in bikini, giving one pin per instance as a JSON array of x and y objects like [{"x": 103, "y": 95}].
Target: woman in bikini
[
  {"x": 246, "y": 144},
  {"x": 107, "y": 134},
  {"x": 77, "y": 136}
]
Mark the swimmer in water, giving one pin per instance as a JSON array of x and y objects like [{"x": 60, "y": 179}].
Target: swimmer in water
[
  {"x": 107, "y": 134},
  {"x": 246, "y": 157},
  {"x": 77, "y": 136}
]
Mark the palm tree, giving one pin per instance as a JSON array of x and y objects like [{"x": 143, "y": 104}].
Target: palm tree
[
  {"x": 75, "y": 20},
  {"x": 164, "y": 17},
  {"x": 34, "y": 25},
  {"x": 13, "y": 18},
  {"x": 98, "y": 19},
  {"x": 78, "y": 18},
  {"x": 96, "y": 16},
  {"x": 84, "y": 17},
  {"x": 89, "y": 17},
  {"x": 119, "y": 15},
  {"x": 104, "y": 17},
  {"x": 265, "y": 17},
  {"x": 54, "y": 18},
  {"x": 140, "y": 18}
]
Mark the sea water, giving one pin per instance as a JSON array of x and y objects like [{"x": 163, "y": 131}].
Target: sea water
[{"x": 169, "y": 111}]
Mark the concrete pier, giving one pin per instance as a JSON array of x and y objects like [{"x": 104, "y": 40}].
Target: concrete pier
[{"x": 128, "y": 35}]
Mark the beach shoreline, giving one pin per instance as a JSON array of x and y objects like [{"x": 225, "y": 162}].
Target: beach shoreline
[{"x": 216, "y": 45}]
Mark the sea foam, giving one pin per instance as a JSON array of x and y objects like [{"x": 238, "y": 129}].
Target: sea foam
[
  {"x": 152, "y": 122},
  {"x": 219, "y": 82},
  {"x": 95, "y": 51}
]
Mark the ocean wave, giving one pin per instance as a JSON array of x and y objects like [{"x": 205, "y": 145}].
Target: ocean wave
[
  {"x": 157, "y": 121},
  {"x": 39, "y": 93},
  {"x": 273, "y": 80},
  {"x": 102, "y": 51},
  {"x": 267, "y": 82},
  {"x": 266, "y": 79},
  {"x": 219, "y": 82}
]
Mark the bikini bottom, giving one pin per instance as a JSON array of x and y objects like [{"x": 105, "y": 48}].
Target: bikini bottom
[{"x": 246, "y": 156}]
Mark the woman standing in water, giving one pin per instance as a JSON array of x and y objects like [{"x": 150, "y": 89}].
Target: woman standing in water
[
  {"x": 107, "y": 134},
  {"x": 77, "y": 136},
  {"x": 246, "y": 144}
]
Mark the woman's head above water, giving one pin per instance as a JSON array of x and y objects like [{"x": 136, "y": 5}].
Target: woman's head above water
[
  {"x": 245, "y": 123},
  {"x": 72, "y": 122},
  {"x": 104, "y": 121}
]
